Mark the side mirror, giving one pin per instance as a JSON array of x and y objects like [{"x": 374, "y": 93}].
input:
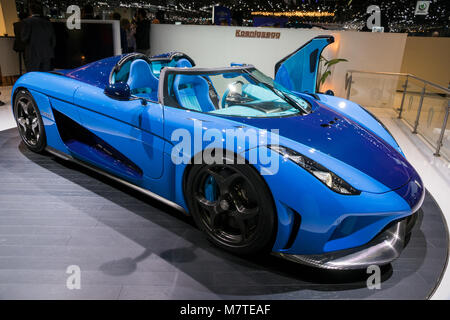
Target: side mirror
[
  {"x": 119, "y": 91},
  {"x": 329, "y": 93}
]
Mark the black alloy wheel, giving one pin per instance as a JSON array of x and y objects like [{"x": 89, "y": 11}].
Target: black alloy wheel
[
  {"x": 29, "y": 121},
  {"x": 233, "y": 206}
]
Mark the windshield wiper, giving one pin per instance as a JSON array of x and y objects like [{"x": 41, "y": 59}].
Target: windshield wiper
[
  {"x": 279, "y": 93},
  {"x": 284, "y": 96}
]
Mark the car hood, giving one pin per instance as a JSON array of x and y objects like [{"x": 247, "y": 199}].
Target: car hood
[{"x": 331, "y": 133}]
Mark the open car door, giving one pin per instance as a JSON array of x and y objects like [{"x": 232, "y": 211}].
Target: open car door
[{"x": 298, "y": 71}]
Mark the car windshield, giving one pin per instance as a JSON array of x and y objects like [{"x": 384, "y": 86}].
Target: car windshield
[{"x": 242, "y": 92}]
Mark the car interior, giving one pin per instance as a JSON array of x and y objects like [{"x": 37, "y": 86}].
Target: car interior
[
  {"x": 143, "y": 79},
  {"x": 231, "y": 93},
  {"x": 143, "y": 75},
  {"x": 227, "y": 93}
]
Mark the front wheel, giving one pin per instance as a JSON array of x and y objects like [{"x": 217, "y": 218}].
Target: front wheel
[
  {"x": 29, "y": 121},
  {"x": 233, "y": 206}
]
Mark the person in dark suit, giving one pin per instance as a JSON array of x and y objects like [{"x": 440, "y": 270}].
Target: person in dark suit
[
  {"x": 19, "y": 46},
  {"x": 40, "y": 40},
  {"x": 142, "y": 32}
]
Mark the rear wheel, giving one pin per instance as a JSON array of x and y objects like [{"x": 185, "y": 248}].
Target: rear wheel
[
  {"x": 29, "y": 121},
  {"x": 233, "y": 206}
]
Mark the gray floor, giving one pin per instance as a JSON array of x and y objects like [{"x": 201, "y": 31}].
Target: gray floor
[{"x": 54, "y": 214}]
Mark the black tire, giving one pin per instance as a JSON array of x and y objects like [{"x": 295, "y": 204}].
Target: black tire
[
  {"x": 29, "y": 121},
  {"x": 242, "y": 195}
]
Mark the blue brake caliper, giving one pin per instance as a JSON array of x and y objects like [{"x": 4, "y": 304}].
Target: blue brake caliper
[{"x": 210, "y": 189}]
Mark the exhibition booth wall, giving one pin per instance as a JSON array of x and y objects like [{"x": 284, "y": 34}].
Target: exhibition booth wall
[
  {"x": 9, "y": 60},
  {"x": 8, "y": 15},
  {"x": 422, "y": 61},
  {"x": 218, "y": 46}
]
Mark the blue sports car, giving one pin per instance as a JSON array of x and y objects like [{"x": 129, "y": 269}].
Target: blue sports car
[{"x": 260, "y": 164}]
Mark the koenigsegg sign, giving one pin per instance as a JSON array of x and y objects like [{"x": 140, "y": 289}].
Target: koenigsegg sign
[{"x": 257, "y": 34}]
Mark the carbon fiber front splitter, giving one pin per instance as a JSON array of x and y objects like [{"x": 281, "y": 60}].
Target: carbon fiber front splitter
[{"x": 382, "y": 250}]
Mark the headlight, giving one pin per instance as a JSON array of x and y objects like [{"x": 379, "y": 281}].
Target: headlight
[{"x": 330, "y": 179}]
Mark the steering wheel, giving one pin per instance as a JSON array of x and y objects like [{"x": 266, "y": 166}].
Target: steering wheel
[{"x": 227, "y": 98}]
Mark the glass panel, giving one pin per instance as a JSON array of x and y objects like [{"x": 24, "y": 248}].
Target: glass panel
[
  {"x": 412, "y": 101},
  {"x": 445, "y": 150},
  {"x": 432, "y": 116},
  {"x": 377, "y": 90}
]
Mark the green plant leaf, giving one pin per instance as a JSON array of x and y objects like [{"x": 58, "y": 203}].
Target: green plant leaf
[
  {"x": 324, "y": 77},
  {"x": 334, "y": 61}
]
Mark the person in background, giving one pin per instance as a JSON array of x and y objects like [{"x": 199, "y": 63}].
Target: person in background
[
  {"x": 39, "y": 38},
  {"x": 159, "y": 17},
  {"x": 123, "y": 33},
  {"x": 142, "y": 32},
  {"x": 19, "y": 46},
  {"x": 116, "y": 16},
  {"x": 87, "y": 12},
  {"x": 130, "y": 31}
]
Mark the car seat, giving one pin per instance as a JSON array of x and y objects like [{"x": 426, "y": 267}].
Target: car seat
[
  {"x": 192, "y": 92},
  {"x": 142, "y": 81},
  {"x": 183, "y": 63}
]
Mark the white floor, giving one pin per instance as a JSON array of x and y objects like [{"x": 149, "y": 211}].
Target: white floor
[{"x": 435, "y": 172}]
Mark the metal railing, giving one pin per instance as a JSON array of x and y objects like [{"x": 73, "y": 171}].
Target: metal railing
[{"x": 391, "y": 90}]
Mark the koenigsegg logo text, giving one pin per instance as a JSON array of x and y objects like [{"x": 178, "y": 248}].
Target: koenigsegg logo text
[{"x": 257, "y": 34}]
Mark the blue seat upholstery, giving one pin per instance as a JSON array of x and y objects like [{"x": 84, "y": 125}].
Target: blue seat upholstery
[
  {"x": 142, "y": 81},
  {"x": 183, "y": 63},
  {"x": 192, "y": 92}
]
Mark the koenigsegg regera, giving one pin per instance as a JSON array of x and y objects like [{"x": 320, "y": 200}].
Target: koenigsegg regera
[{"x": 342, "y": 195}]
